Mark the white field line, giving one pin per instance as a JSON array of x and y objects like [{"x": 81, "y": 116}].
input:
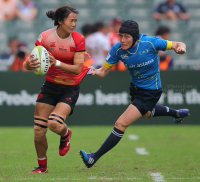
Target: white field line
[
  {"x": 103, "y": 178},
  {"x": 133, "y": 137},
  {"x": 184, "y": 178},
  {"x": 141, "y": 151},
  {"x": 157, "y": 177}
]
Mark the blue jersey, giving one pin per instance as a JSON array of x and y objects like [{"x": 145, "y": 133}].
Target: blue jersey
[{"x": 142, "y": 60}]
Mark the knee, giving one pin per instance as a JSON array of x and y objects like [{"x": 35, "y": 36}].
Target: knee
[
  {"x": 121, "y": 124},
  {"x": 56, "y": 123},
  {"x": 55, "y": 126},
  {"x": 40, "y": 128}
]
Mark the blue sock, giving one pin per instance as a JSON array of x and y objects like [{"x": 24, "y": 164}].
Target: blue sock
[
  {"x": 110, "y": 142},
  {"x": 160, "y": 110}
]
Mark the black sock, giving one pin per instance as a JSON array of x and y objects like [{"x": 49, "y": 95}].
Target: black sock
[
  {"x": 160, "y": 110},
  {"x": 110, "y": 142}
]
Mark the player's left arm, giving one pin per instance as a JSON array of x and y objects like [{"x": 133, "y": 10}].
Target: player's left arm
[
  {"x": 163, "y": 45},
  {"x": 179, "y": 47},
  {"x": 76, "y": 68},
  {"x": 79, "y": 54}
]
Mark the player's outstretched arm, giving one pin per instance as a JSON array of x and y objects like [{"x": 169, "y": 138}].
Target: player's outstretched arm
[
  {"x": 179, "y": 47},
  {"x": 101, "y": 72}
]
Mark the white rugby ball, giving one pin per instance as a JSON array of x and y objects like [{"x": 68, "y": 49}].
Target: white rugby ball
[{"x": 43, "y": 57}]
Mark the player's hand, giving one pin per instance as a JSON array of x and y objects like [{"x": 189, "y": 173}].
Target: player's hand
[
  {"x": 94, "y": 71},
  {"x": 31, "y": 63},
  {"x": 52, "y": 59},
  {"x": 180, "y": 50}
]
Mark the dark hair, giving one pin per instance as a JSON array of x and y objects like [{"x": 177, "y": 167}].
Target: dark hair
[
  {"x": 86, "y": 29},
  {"x": 130, "y": 27},
  {"x": 98, "y": 25},
  {"x": 61, "y": 13},
  {"x": 162, "y": 30}
]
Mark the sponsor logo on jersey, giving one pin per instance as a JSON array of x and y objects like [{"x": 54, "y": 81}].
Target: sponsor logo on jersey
[
  {"x": 145, "y": 63},
  {"x": 52, "y": 44},
  {"x": 124, "y": 56},
  {"x": 140, "y": 64},
  {"x": 62, "y": 49},
  {"x": 144, "y": 52}
]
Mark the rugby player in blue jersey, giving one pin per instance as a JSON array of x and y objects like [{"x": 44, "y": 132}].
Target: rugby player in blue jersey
[{"x": 139, "y": 53}]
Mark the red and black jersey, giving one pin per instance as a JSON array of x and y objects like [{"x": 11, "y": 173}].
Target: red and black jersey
[{"x": 63, "y": 50}]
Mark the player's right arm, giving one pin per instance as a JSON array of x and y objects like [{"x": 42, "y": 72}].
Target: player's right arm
[
  {"x": 32, "y": 64},
  {"x": 101, "y": 72}
]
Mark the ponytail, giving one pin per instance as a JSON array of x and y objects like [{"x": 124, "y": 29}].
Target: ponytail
[{"x": 51, "y": 14}]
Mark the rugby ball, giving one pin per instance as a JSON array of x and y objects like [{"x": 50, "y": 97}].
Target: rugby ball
[{"x": 43, "y": 57}]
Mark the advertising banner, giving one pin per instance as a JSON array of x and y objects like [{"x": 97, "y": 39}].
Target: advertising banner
[{"x": 101, "y": 101}]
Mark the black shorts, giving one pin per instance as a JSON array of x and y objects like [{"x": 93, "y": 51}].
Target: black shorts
[
  {"x": 51, "y": 93},
  {"x": 144, "y": 100}
]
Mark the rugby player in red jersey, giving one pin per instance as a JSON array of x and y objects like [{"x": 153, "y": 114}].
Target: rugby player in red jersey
[{"x": 59, "y": 94}]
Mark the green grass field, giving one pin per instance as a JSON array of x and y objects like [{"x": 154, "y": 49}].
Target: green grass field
[{"x": 174, "y": 155}]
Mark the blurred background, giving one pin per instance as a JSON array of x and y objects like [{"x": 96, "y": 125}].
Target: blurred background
[
  {"x": 29, "y": 20},
  {"x": 21, "y": 22}
]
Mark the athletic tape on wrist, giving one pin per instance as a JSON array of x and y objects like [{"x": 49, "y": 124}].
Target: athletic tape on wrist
[{"x": 57, "y": 63}]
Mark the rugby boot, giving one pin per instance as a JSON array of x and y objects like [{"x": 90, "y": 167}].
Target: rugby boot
[
  {"x": 65, "y": 143},
  {"x": 40, "y": 169},
  {"x": 182, "y": 114},
  {"x": 88, "y": 158}
]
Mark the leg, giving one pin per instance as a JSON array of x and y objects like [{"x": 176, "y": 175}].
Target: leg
[
  {"x": 147, "y": 115},
  {"x": 57, "y": 125},
  {"x": 57, "y": 118},
  {"x": 40, "y": 129},
  {"x": 127, "y": 118},
  {"x": 160, "y": 110}
]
